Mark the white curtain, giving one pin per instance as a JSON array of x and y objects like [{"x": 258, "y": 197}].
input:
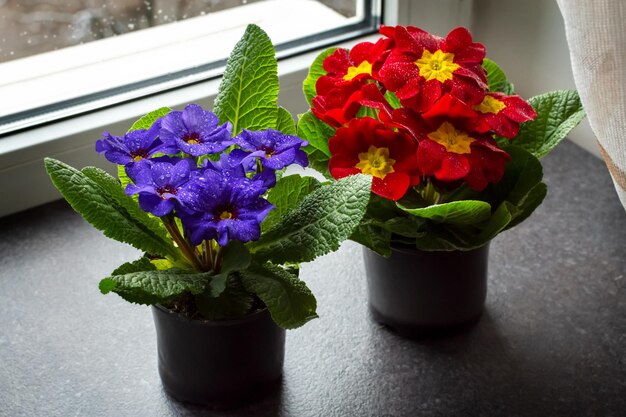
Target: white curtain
[{"x": 596, "y": 34}]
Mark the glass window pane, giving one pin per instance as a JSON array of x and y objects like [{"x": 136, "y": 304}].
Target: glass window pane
[{"x": 59, "y": 55}]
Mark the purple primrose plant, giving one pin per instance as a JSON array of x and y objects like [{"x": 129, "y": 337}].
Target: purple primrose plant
[{"x": 203, "y": 194}]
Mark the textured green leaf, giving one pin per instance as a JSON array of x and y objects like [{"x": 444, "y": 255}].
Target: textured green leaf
[
  {"x": 141, "y": 264},
  {"x": 317, "y": 133},
  {"x": 152, "y": 287},
  {"x": 100, "y": 209},
  {"x": 315, "y": 71},
  {"x": 558, "y": 112},
  {"x": 318, "y": 224},
  {"x": 233, "y": 302},
  {"x": 496, "y": 78},
  {"x": 288, "y": 299},
  {"x": 249, "y": 89},
  {"x": 145, "y": 122},
  {"x": 456, "y": 212},
  {"x": 285, "y": 122},
  {"x": 286, "y": 195},
  {"x": 114, "y": 189}
]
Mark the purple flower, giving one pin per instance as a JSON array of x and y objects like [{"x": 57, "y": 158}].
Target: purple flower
[
  {"x": 159, "y": 183},
  {"x": 196, "y": 131},
  {"x": 231, "y": 165},
  {"x": 135, "y": 146},
  {"x": 238, "y": 164},
  {"x": 274, "y": 149},
  {"x": 223, "y": 208}
]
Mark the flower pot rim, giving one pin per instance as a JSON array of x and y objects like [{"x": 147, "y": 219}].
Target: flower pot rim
[
  {"x": 405, "y": 248},
  {"x": 210, "y": 323}
]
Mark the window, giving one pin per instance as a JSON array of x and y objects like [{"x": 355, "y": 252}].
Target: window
[{"x": 62, "y": 58}]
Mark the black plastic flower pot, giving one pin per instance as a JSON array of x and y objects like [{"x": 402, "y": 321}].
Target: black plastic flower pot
[
  {"x": 419, "y": 293},
  {"x": 221, "y": 364}
]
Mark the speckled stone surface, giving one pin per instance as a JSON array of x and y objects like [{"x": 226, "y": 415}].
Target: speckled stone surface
[{"x": 551, "y": 342}]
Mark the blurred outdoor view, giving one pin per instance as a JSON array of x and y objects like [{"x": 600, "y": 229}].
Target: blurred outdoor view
[{"x": 30, "y": 27}]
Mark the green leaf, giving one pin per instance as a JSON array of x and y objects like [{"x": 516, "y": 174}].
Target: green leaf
[
  {"x": 288, "y": 299},
  {"x": 101, "y": 209},
  {"x": 145, "y": 122},
  {"x": 233, "y": 302},
  {"x": 456, "y": 212},
  {"x": 284, "y": 122},
  {"x": 496, "y": 78},
  {"x": 318, "y": 224},
  {"x": 374, "y": 237},
  {"x": 115, "y": 190},
  {"x": 249, "y": 89},
  {"x": 317, "y": 133},
  {"x": 286, "y": 195},
  {"x": 531, "y": 201},
  {"x": 152, "y": 287},
  {"x": 521, "y": 185},
  {"x": 497, "y": 222},
  {"x": 558, "y": 112},
  {"x": 315, "y": 72},
  {"x": 141, "y": 264},
  {"x": 235, "y": 257},
  {"x": 405, "y": 226},
  {"x": 522, "y": 173}
]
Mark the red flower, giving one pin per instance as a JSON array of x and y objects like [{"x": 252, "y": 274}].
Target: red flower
[
  {"x": 369, "y": 147},
  {"x": 502, "y": 114},
  {"x": 338, "y": 106},
  {"x": 422, "y": 67},
  {"x": 356, "y": 65},
  {"x": 450, "y": 154}
]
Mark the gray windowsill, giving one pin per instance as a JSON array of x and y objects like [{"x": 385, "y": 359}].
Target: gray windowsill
[{"x": 551, "y": 341}]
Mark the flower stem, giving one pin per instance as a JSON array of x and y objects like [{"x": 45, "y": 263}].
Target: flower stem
[
  {"x": 217, "y": 263},
  {"x": 186, "y": 249},
  {"x": 207, "y": 251},
  {"x": 430, "y": 194}
]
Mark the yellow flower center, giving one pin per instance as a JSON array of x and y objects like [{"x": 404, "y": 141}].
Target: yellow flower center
[
  {"x": 363, "y": 68},
  {"x": 137, "y": 158},
  {"x": 376, "y": 162},
  {"x": 453, "y": 140},
  {"x": 226, "y": 215},
  {"x": 438, "y": 66},
  {"x": 192, "y": 138},
  {"x": 490, "y": 105}
]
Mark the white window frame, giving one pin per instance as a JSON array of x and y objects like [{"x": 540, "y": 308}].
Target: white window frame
[{"x": 25, "y": 184}]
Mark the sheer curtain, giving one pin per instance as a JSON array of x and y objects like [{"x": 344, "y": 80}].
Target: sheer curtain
[{"x": 596, "y": 34}]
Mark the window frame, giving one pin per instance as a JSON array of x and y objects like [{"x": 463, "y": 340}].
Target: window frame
[{"x": 117, "y": 93}]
